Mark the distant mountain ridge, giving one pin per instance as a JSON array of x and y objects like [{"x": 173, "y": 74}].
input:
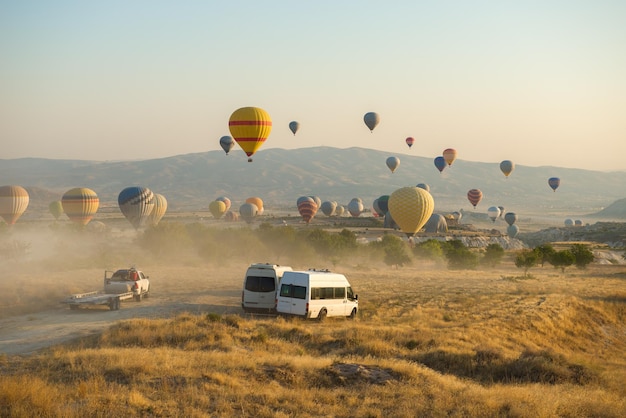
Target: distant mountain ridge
[{"x": 279, "y": 177}]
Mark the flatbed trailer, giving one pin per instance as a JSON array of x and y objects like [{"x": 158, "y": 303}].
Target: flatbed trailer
[{"x": 97, "y": 298}]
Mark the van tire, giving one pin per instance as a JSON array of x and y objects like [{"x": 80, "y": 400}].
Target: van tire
[
  {"x": 322, "y": 315},
  {"x": 352, "y": 314}
]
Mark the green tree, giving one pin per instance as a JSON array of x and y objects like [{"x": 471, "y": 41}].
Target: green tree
[
  {"x": 562, "y": 259},
  {"x": 396, "y": 251},
  {"x": 459, "y": 256},
  {"x": 493, "y": 255},
  {"x": 544, "y": 252},
  {"x": 430, "y": 249},
  {"x": 583, "y": 255},
  {"x": 526, "y": 259}
]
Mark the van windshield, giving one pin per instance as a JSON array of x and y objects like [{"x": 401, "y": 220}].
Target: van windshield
[{"x": 260, "y": 284}]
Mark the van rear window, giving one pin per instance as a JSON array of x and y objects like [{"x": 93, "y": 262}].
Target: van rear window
[{"x": 260, "y": 284}]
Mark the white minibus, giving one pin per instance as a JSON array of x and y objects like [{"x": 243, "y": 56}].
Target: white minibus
[{"x": 260, "y": 285}]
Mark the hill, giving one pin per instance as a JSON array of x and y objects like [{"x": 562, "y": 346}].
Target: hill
[
  {"x": 616, "y": 210},
  {"x": 280, "y": 176}
]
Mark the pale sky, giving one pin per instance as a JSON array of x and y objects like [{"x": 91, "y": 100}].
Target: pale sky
[{"x": 537, "y": 82}]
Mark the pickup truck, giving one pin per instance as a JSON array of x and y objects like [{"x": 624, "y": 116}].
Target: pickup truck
[{"x": 120, "y": 285}]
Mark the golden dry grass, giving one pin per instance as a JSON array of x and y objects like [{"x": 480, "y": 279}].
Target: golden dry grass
[{"x": 428, "y": 342}]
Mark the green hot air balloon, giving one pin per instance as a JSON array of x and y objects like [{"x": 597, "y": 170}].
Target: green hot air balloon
[{"x": 56, "y": 209}]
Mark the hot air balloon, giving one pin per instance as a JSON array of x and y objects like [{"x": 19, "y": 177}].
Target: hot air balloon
[
  {"x": 457, "y": 216},
  {"x": 250, "y": 126},
  {"x": 507, "y": 167},
  {"x": 217, "y": 208},
  {"x": 424, "y": 186},
  {"x": 409, "y": 141},
  {"x": 307, "y": 209},
  {"x": 392, "y": 163},
  {"x": 371, "y": 120},
  {"x": 258, "y": 203},
  {"x": 501, "y": 211},
  {"x": 136, "y": 203},
  {"x": 227, "y": 143},
  {"x": 13, "y": 203},
  {"x": 160, "y": 207},
  {"x": 355, "y": 207},
  {"x": 225, "y": 200},
  {"x": 56, "y": 209},
  {"x": 493, "y": 212},
  {"x": 294, "y": 126},
  {"x": 512, "y": 231},
  {"x": 231, "y": 216},
  {"x": 440, "y": 163},
  {"x": 339, "y": 210},
  {"x": 554, "y": 183},
  {"x": 80, "y": 204},
  {"x": 449, "y": 155},
  {"x": 410, "y": 208},
  {"x": 578, "y": 222},
  {"x": 328, "y": 208},
  {"x": 317, "y": 200},
  {"x": 383, "y": 203},
  {"x": 377, "y": 210},
  {"x": 302, "y": 199},
  {"x": 569, "y": 222},
  {"x": 474, "y": 196},
  {"x": 436, "y": 224},
  {"x": 248, "y": 212},
  {"x": 510, "y": 218}
]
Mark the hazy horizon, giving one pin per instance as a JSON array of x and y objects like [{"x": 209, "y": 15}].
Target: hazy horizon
[{"x": 541, "y": 84}]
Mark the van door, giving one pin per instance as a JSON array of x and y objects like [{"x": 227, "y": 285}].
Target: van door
[{"x": 292, "y": 299}]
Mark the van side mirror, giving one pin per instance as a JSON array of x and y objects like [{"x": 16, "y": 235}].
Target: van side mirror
[{"x": 356, "y": 297}]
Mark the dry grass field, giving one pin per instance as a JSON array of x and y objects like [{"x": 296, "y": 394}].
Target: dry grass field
[{"x": 428, "y": 341}]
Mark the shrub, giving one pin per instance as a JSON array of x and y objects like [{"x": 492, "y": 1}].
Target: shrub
[
  {"x": 493, "y": 255},
  {"x": 526, "y": 259},
  {"x": 459, "y": 256},
  {"x": 430, "y": 249},
  {"x": 562, "y": 259},
  {"x": 582, "y": 255},
  {"x": 543, "y": 252}
]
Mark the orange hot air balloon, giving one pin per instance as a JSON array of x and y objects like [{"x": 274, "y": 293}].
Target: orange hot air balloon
[
  {"x": 13, "y": 203},
  {"x": 80, "y": 204},
  {"x": 250, "y": 126},
  {"x": 449, "y": 155},
  {"x": 257, "y": 202}
]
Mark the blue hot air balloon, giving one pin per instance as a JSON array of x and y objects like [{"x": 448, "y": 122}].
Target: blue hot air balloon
[
  {"x": 440, "y": 163},
  {"x": 554, "y": 182},
  {"x": 136, "y": 203}
]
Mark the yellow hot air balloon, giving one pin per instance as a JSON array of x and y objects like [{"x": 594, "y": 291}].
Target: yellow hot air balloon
[
  {"x": 13, "y": 203},
  {"x": 250, "y": 126},
  {"x": 257, "y": 202},
  {"x": 410, "y": 208},
  {"x": 80, "y": 204},
  {"x": 217, "y": 208},
  {"x": 160, "y": 207}
]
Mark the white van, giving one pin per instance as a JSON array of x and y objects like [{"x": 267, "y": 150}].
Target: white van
[
  {"x": 260, "y": 285},
  {"x": 316, "y": 294}
]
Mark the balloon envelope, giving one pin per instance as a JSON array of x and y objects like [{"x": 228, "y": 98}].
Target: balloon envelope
[
  {"x": 554, "y": 183},
  {"x": 493, "y": 212},
  {"x": 393, "y": 163},
  {"x": 424, "y": 186},
  {"x": 80, "y": 204},
  {"x": 410, "y": 208},
  {"x": 355, "y": 207},
  {"x": 248, "y": 212},
  {"x": 449, "y": 155},
  {"x": 56, "y": 209},
  {"x": 307, "y": 209},
  {"x": 328, "y": 208},
  {"x": 227, "y": 143},
  {"x": 510, "y": 218},
  {"x": 217, "y": 208},
  {"x": 294, "y": 126},
  {"x": 258, "y": 203},
  {"x": 371, "y": 120},
  {"x": 512, "y": 231},
  {"x": 436, "y": 224},
  {"x": 231, "y": 216},
  {"x": 440, "y": 163},
  {"x": 507, "y": 167},
  {"x": 160, "y": 207},
  {"x": 136, "y": 203},
  {"x": 474, "y": 196},
  {"x": 569, "y": 222},
  {"x": 13, "y": 203},
  {"x": 250, "y": 126},
  {"x": 225, "y": 200},
  {"x": 410, "y": 141}
]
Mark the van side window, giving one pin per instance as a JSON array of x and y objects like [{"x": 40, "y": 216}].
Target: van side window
[
  {"x": 316, "y": 293},
  {"x": 350, "y": 293},
  {"x": 285, "y": 290},
  {"x": 292, "y": 291},
  {"x": 340, "y": 293}
]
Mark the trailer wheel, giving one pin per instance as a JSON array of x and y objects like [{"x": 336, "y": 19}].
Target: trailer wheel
[
  {"x": 322, "y": 315},
  {"x": 138, "y": 297},
  {"x": 114, "y": 304},
  {"x": 352, "y": 314}
]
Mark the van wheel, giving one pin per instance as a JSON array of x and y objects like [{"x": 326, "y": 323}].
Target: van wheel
[
  {"x": 352, "y": 314},
  {"x": 322, "y": 315}
]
